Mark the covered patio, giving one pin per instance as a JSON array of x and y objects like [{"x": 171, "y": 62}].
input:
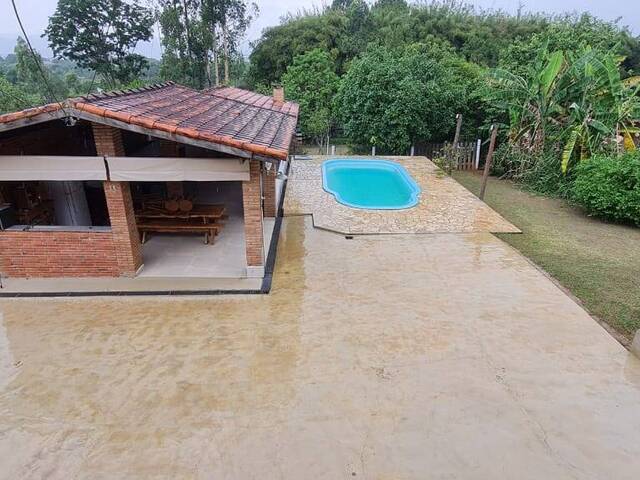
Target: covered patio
[{"x": 188, "y": 182}]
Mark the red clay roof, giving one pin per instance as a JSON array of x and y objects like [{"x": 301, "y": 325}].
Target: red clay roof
[
  {"x": 226, "y": 116},
  {"x": 252, "y": 98}
]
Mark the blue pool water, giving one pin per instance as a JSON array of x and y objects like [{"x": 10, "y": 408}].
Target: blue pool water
[{"x": 370, "y": 184}]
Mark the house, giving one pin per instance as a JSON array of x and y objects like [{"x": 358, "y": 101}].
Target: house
[{"x": 157, "y": 181}]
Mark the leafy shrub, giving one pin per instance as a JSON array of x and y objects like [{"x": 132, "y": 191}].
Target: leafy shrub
[
  {"x": 539, "y": 173},
  {"x": 312, "y": 82},
  {"x": 393, "y": 97},
  {"x": 609, "y": 187}
]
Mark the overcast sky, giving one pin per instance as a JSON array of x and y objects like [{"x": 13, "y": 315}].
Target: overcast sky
[{"x": 35, "y": 13}]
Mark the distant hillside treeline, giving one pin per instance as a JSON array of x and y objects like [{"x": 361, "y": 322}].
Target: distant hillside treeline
[
  {"x": 347, "y": 28},
  {"x": 391, "y": 73},
  {"x": 22, "y": 84}
]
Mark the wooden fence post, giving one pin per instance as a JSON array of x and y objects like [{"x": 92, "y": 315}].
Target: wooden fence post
[
  {"x": 456, "y": 141},
  {"x": 487, "y": 163},
  {"x": 456, "y": 137}
]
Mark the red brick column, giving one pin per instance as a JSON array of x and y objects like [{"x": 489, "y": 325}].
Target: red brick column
[
  {"x": 123, "y": 227},
  {"x": 252, "y": 203},
  {"x": 108, "y": 140},
  {"x": 126, "y": 238},
  {"x": 269, "y": 191}
]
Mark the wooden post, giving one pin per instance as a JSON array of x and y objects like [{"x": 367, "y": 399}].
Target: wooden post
[
  {"x": 454, "y": 146},
  {"x": 456, "y": 137},
  {"x": 373, "y": 151},
  {"x": 487, "y": 163},
  {"x": 413, "y": 150}
]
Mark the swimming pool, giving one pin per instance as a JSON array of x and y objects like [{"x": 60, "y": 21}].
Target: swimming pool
[{"x": 370, "y": 184}]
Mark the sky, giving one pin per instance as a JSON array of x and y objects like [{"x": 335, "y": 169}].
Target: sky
[{"x": 34, "y": 14}]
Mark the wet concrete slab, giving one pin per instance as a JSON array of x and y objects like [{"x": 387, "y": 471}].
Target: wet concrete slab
[{"x": 386, "y": 357}]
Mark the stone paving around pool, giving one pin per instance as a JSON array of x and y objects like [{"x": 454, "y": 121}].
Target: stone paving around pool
[{"x": 445, "y": 206}]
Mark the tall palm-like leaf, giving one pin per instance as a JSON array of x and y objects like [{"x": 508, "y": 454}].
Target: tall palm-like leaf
[
  {"x": 529, "y": 101},
  {"x": 577, "y": 99}
]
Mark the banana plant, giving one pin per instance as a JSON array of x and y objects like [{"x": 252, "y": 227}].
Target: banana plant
[
  {"x": 577, "y": 99},
  {"x": 604, "y": 107},
  {"x": 530, "y": 101}
]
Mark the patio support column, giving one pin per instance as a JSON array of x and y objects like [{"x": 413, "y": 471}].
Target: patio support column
[
  {"x": 269, "y": 191},
  {"x": 253, "y": 233},
  {"x": 108, "y": 141},
  {"x": 172, "y": 149},
  {"x": 123, "y": 227}
]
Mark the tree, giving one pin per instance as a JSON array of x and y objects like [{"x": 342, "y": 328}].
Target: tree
[
  {"x": 239, "y": 16},
  {"x": 185, "y": 40},
  {"x": 30, "y": 69},
  {"x": 13, "y": 98},
  {"x": 312, "y": 82},
  {"x": 486, "y": 37},
  {"x": 573, "y": 33},
  {"x": 228, "y": 21},
  {"x": 101, "y": 35},
  {"x": 392, "y": 98},
  {"x": 200, "y": 37}
]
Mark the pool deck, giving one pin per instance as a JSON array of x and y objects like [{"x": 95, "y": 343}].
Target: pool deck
[{"x": 445, "y": 206}]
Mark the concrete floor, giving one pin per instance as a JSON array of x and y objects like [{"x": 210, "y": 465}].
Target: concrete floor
[
  {"x": 388, "y": 357},
  {"x": 168, "y": 255}
]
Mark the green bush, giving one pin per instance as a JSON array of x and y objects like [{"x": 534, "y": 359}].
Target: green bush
[
  {"x": 539, "y": 173},
  {"x": 392, "y": 98},
  {"x": 609, "y": 187}
]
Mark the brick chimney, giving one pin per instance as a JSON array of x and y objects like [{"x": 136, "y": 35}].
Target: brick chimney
[{"x": 278, "y": 94}]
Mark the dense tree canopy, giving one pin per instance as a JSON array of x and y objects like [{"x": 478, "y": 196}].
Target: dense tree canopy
[
  {"x": 347, "y": 27},
  {"x": 312, "y": 82},
  {"x": 474, "y": 40},
  {"x": 201, "y": 40},
  {"x": 391, "y": 98},
  {"x": 101, "y": 35}
]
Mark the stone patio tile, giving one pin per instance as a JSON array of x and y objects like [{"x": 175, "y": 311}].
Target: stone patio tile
[{"x": 445, "y": 206}]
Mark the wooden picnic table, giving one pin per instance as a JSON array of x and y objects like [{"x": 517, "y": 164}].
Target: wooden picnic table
[
  {"x": 201, "y": 219},
  {"x": 208, "y": 213}
]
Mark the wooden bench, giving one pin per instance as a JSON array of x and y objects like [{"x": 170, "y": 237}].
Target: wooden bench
[{"x": 210, "y": 230}]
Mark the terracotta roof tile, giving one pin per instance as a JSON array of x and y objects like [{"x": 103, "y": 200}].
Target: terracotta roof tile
[{"x": 228, "y": 116}]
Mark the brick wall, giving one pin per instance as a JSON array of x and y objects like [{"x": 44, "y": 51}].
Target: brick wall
[
  {"x": 118, "y": 194},
  {"x": 108, "y": 140},
  {"x": 57, "y": 254},
  {"x": 269, "y": 191},
  {"x": 123, "y": 226},
  {"x": 252, "y": 203}
]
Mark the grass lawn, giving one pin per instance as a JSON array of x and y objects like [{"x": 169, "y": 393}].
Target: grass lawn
[{"x": 598, "y": 262}]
